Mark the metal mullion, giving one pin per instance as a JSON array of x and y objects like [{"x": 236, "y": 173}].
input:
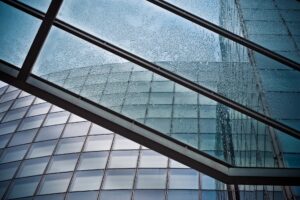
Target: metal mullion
[
  {"x": 39, "y": 40},
  {"x": 177, "y": 78},
  {"x": 219, "y": 30}
]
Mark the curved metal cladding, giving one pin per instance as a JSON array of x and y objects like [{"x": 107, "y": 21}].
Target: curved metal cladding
[{"x": 49, "y": 153}]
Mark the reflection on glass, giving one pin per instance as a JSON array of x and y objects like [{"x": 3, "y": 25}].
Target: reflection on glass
[
  {"x": 119, "y": 179},
  {"x": 23, "y": 137},
  {"x": 33, "y": 167},
  {"x": 49, "y": 132},
  {"x": 14, "y": 114},
  {"x": 91, "y": 195},
  {"x": 151, "y": 179},
  {"x": 115, "y": 195},
  {"x": 41, "y": 149},
  {"x": 31, "y": 122},
  {"x": 70, "y": 145},
  {"x": 98, "y": 143},
  {"x": 62, "y": 163},
  {"x": 23, "y": 187},
  {"x": 152, "y": 159},
  {"x": 123, "y": 159},
  {"x": 40, "y": 5},
  {"x": 149, "y": 194},
  {"x": 183, "y": 179},
  {"x": 8, "y": 170},
  {"x": 13, "y": 153},
  {"x": 56, "y": 118},
  {"x": 76, "y": 129},
  {"x": 86, "y": 180},
  {"x": 55, "y": 183},
  {"x": 17, "y": 31},
  {"x": 183, "y": 194},
  {"x": 93, "y": 160}
]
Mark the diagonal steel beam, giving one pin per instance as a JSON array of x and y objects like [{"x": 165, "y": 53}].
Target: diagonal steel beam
[
  {"x": 169, "y": 75},
  {"x": 147, "y": 136},
  {"x": 217, "y": 29}
]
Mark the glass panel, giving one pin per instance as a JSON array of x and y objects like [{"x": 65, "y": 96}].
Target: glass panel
[
  {"x": 17, "y": 33},
  {"x": 4, "y": 140},
  {"x": 152, "y": 159},
  {"x": 115, "y": 195},
  {"x": 63, "y": 163},
  {"x": 9, "y": 96},
  {"x": 86, "y": 180},
  {"x": 123, "y": 159},
  {"x": 95, "y": 130},
  {"x": 98, "y": 143},
  {"x": 3, "y": 187},
  {"x": 13, "y": 153},
  {"x": 124, "y": 143},
  {"x": 151, "y": 179},
  {"x": 51, "y": 197},
  {"x": 40, "y": 5},
  {"x": 8, "y": 127},
  {"x": 49, "y": 132},
  {"x": 23, "y": 137},
  {"x": 5, "y": 106},
  {"x": 119, "y": 179},
  {"x": 183, "y": 194},
  {"x": 183, "y": 179},
  {"x": 215, "y": 62},
  {"x": 76, "y": 129},
  {"x": 149, "y": 194},
  {"x": 33, "y": 167},
  {"x": 56, "y": 118},
  {"x": 70, "y": 145},
  {"x": 76, "y": 118},
  {"x": 39, "y": 109},
  {"x": 55, "y": 183},
  {"x": 15, "y": 114},
  {"x": 22, "y": 102},
  {"x": 31, "y": 122},
  {"x": 7, "y": 171},
  {"x": 93, "y": 160},
  {"x": 23, "y": 187},
  {"x": 82, "y": 195},
  {"x": 41, "y": 149}
]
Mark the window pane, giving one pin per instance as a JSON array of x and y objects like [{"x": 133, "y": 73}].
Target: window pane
[
  {"x": 70, "y": 145},
  {"x": 98, "y": 143},
  {"x": 39, "y": 109},
  {"x": 62, "y": 163},
  {"x": 183, "y": 179},
  {"x": 41, "y": 149},
  {"x": 149, "y": 194},
  {"x": 118, "y": 179},
  {"x": 115, "y": 195},
  {"x": 49, "y": 132},
  {"x": 5, "y": 106},
  {"x": 3, "y": 187},
  {"x": 151, "y": 179},
  {"x": 87, "y": 180},
  {"x": 8, "y": 170},
  {"x": 92, "y": 195},
  {"x": 50, "y": 197},
  {"x": 13, "y": 153},
  {"x": 152, "y": 159},
  {"x": 8, "y": 127},
  {"x": 93, "y": 160},
  {"x": 123, "y": 159},
  {"x": 40, "y": 5},
  {"x": 183, "y": 194},
  {"x": 31, "y": 122},
  {"x": 55, "y": 183},
  {"x": 124, "y": 143},
  {"x": 4, "y": 140},
  {"x": 76, "y": 129},
  {"x": 22, "y": 102},
  {"x": 95, "y": 130},
  {"x": 33, "y": 167},
  {"x": 15, "y": 114},
  {"x": 11, "y": 95},
  {"x": 56, "y": 118},
  {"x": 23, "y": 137},
  {"x": 76, "y": 118},
  {"x": 23, "y": 187}
]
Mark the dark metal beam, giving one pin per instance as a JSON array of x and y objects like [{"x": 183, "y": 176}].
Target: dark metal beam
[
  {"x": 149, "y": 137},
  {"x": 39, "y": 39},
  {"x": 217, "y": 29}
]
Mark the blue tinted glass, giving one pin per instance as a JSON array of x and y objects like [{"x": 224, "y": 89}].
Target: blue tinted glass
[
  {"x": 8, "y": 170},
  {"x": 62, "y": 163},
  {"x": 17, "y": 33},
  {"x": 149, "y": 194},
  {"x": 183, "y": 194},
  {"x": 40, "y": 5},
  {"x": 49, "y": 132},
  {"x": 82, "y": 195},
  {"x": 93, "y": 160},
  {"x": 55, "y": 183},
  {"x": 23, "y": 187},
  {"x": 33, "y": 167},
  {"x": 86, "y": 180},
  {"x": 23, "y": 137},
  {"x": 13, "y": 153},
  {"x": 41, "y": 149},
  {"x": 115, "y": 195}
]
